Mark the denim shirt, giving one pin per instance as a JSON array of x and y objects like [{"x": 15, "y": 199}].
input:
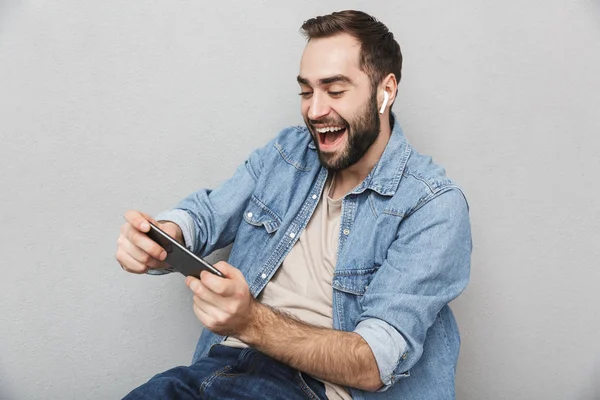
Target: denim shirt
[{"x": 403, "y": 253}]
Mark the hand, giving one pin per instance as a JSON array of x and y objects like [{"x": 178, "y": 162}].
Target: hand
[
  {"x": 136, "y": 252},
  {"x": 223, "y": 305}
]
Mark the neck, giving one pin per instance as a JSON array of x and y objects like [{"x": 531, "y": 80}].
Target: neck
[{"x": 349, "y": 178}]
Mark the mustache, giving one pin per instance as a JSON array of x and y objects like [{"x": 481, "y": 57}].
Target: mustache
[{"x": 327, "y": 121}]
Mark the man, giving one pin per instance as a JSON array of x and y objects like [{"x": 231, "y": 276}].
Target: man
[{"x": 347, "y": 246}]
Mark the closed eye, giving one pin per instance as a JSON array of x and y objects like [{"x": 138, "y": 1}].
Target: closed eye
[
  {"x": 305, "y": 94},
  {"x": 336, "y": 94}
]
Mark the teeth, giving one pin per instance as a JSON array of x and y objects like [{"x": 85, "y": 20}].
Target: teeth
[{"x": 329, "y": 129}]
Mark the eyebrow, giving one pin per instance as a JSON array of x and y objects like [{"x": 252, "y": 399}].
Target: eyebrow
[{"x": 327, "y": 81}]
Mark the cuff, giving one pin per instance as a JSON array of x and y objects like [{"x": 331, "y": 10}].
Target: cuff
[
  {"x": 185, "y": 222},
  {"x": 388, "y": 347}
]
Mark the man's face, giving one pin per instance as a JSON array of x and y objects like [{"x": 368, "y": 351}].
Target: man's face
[{"x": 338, "y": 105}]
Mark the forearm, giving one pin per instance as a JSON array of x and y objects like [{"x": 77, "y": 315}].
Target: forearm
[{"x": 340, "y": 357}]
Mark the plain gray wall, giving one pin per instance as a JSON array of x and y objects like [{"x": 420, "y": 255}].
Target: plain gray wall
[{"x": 111, "y": 105}]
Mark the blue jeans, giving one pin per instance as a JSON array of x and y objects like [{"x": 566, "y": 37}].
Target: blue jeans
[{"x": 230, "y": 373}]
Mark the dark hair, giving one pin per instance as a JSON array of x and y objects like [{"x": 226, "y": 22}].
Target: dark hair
[{"x": 379, "y": 53}]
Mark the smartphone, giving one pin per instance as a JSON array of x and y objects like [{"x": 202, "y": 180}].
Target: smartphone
[{"x": 181, "y": 259}]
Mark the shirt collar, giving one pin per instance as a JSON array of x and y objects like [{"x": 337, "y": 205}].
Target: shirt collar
[{"x": 386, "y": 174}]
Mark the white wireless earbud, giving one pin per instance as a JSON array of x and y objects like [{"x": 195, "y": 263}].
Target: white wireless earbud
[{"x": 386, "y": 97}]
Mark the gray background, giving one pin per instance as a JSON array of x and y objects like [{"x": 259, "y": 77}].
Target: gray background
[{"x": 111, "y": 105}]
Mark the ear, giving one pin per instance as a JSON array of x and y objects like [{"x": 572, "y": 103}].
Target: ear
[{"x": 389, "y": 88}]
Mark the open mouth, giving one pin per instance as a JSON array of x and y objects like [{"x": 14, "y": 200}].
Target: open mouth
[{"x": 330, "y": 136}]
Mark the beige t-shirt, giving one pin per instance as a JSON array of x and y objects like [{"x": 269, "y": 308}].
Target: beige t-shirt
[{"x": 302, "y": 285}]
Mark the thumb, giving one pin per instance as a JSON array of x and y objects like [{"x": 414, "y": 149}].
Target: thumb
[
  {"x": 172, "y": 229},
  {"x": 229, "y": 271}
]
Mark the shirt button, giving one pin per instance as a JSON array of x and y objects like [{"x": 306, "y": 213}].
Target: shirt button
[
  {"x": 404, "y": 356},
  {"x": 346, "y": 231},
  {"x": 314, "y": 196},
  {"x": 264, "y": 276},
  {"x": 249, "y": 215},
  {"x": 292, "y": 235}
]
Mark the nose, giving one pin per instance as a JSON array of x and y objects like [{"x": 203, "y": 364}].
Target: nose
[{"x": 318, "y": 106}]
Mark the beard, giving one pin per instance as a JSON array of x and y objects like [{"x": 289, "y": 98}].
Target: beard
[{"x": 361, "y": 133}]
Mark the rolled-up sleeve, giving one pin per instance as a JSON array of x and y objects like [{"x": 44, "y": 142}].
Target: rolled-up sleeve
[{"x": 386, "y": 343}]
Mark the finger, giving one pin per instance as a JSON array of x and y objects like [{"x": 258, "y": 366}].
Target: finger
[
  {"x": 139, "y": 220},
  {"x": 203, "y": 293},
  {"x": 203, "y": 317},
  {"x": 233, "y": 282},
  {"x": 223, "y": 287},
  {"x": 148, "y": 217},
  {"x": 217, "y": 316},
  {"x": 142, "y": 241},
  {"x": 130, "y": 264},
  {"x": 139, "y": 254}
]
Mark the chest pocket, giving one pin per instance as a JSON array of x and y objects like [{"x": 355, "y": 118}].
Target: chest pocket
[
  {"x": 353, "y": 281},
  {"x": 258, "y": 214}
]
